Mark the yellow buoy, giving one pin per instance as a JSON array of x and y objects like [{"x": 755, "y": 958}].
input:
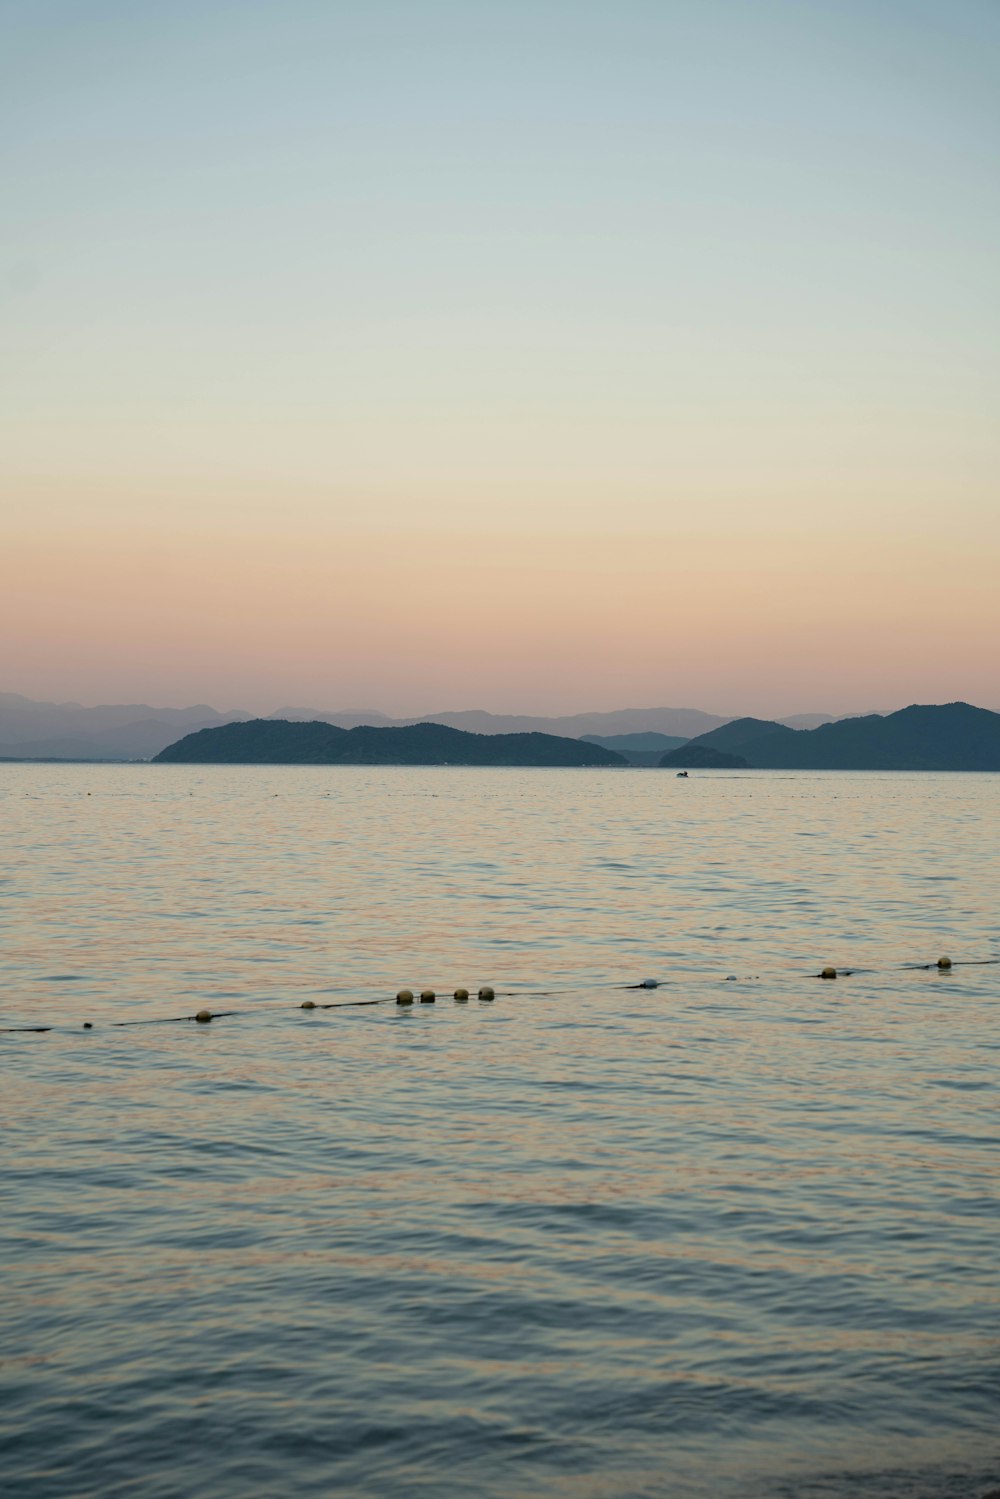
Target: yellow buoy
[
  {"x": 944, "y": 962},
  {"x": 203, "y": 1017},
  {"x": 486, "y": 993},
  {"x": 404, "y": 997},
  {"x": 308, "y": 1004},
  {"x": 427, "y": 996},
  {"x": 461, "y": 995},
  {"x": 828, "y": 973}
]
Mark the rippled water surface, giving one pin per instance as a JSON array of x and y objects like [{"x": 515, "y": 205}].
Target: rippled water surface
[{"x": 735, "y": 1236}]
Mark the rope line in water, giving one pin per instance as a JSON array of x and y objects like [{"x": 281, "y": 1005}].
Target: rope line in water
[{"x": 406, "y": 997}]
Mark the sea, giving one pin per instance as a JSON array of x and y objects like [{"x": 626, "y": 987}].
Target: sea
[{"x": 731, "y": 1237}]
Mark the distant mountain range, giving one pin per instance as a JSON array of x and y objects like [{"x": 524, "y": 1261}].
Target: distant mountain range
[
  {"x": 948, "y": 736},
  {"x": 680, "y": 723},
  {"x": 638, "y": 749},
  {"x": 32, "y": 730},
  {"x": 951, "y": 736},
  {"x": 269, "y": 741},
  {"x": 68, "y": 731},
  {"x": 135, "y": 731}
]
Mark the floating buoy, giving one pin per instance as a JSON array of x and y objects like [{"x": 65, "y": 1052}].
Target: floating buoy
[{"x": 487, "y": 993}]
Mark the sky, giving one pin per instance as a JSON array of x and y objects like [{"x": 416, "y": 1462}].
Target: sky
[{"x": 543, "y": 357}]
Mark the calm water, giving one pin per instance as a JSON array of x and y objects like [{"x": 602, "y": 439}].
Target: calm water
[{"x": 733, "y": 1237}]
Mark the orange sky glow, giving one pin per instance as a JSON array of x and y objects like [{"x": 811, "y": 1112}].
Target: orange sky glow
[{"x": 542, "y": 357}]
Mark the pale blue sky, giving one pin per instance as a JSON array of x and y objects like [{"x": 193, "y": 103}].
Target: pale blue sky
[{"x": 310, "y": 267}]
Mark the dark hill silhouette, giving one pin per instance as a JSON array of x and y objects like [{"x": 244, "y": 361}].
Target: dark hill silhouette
[
  {"x": 947, "y": 736},
  {"x": 674, "y": 723},
  {"x": 269, "y": 741},
  {"x": 130, "y": 731},
  {"x": 726, "y": 739},
  {"x": 696, "y": 756},
  {"x": 624, "y": 744},
  {"x": 638, "y": 749}
]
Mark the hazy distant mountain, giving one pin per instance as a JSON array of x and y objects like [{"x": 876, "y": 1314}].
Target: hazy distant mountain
[
  {"x": 948, "y": 736},
  {"x": 733, "y": 736},
  {"x": 812, "y": 720},
  {"x": 620, "y": 742},
  {"x": 680, "y": 723},
  {"x": 40, "y": 730},
  {"x": 135, "y": 731},
  {"x": 638, "y": 749},
  {"x": 123, "y": 731},
  {"x": 344, "y": 718},
  {"x": 269, "y": 741}
]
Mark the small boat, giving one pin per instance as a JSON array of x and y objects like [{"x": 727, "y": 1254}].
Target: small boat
[{"x": 682, "y": 775}]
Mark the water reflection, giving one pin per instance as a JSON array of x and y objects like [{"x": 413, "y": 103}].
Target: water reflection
[{"x": 715, "y": 1238}]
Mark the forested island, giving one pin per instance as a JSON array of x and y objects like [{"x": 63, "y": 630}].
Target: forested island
[
  {"x": 276, "y": 741},
  {"x": 949, "y": 736},
  {"x": 946, "y": 736}
]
